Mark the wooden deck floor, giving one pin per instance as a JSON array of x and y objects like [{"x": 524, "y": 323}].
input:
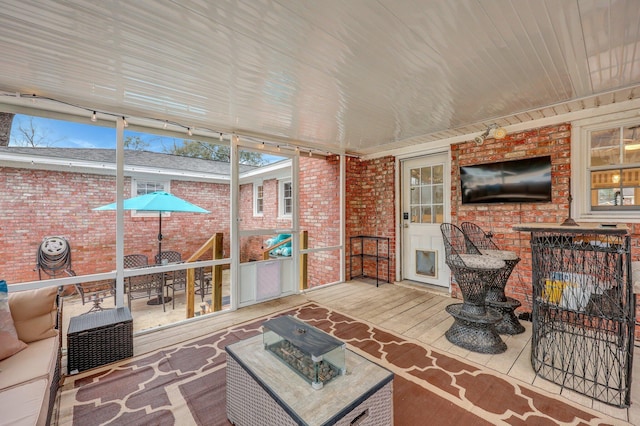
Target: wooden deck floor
[{"x": 410, "y": 310}]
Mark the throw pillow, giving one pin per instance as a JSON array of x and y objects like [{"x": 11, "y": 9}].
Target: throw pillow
[
  {"x": 34, "y": 313},
  {"x": 9, "y": 342}
]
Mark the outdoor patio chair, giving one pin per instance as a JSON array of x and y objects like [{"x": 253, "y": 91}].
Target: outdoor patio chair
[
  {"x": 141, "y": 286},
  {"x": 174, "y": 280},
  {"x": 203, "y": 282},
  {"x": 91, "y": 290},
  {"x": 496, "y": 297},
  {"x": 474, "y": 323}
]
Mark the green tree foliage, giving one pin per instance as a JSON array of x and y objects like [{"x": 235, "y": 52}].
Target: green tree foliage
[
  {"x": 210, "y": 151},
  {"x": 135, "y": 143}
]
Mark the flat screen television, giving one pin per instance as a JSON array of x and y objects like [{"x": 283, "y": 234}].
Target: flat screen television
[{"x": 516, "y": 181}]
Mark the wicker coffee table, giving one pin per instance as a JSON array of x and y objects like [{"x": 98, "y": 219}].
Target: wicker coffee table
[
  {"x": 99, "y": 338},
  {"x": 262, "y": 390}
]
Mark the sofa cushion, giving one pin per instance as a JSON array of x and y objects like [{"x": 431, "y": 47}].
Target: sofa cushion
[
  {"x": 9, "y": 342},
  {"x": 34, "y": 313},
  {"x": 38, "y": 360},
  {"x": 25, "y": 404}
]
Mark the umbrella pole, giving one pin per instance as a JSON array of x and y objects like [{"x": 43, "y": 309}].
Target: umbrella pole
[
  {"x": 159, "y": 258},
  {"x": 160, "y": 300}
]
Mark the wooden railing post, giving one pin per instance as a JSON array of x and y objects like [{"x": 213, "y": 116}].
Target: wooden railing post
[
  {"x": 304, "y": 244},
  {"x": 191, "y": 291},
  {"x": 216, "y": 243},
  {"x": 216, "y": 285}
]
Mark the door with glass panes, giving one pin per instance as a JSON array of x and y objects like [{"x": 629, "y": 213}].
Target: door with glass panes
[{"x": 425, "y": 205}]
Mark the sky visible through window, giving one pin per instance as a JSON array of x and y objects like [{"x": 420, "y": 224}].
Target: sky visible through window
[{"x": 52, "y": 133}]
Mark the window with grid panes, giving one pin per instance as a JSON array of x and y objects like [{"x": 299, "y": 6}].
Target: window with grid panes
[
  {"x": 285, "y": 201},
  {"x": 427, "y": 194},
  {"x": 258, "y": 205},
  {"x": 614, "y": 168}
]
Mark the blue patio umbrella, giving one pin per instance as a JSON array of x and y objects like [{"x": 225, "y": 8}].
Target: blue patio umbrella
[{"x": 161, "y": 202}]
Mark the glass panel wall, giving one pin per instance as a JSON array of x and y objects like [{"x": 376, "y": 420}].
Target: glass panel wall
[
  {"x": 266, "y": 201},
  {"x": 60, "y": 179}
]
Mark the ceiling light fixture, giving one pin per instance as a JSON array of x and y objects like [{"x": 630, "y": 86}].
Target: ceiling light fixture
[
  {"x": 498, "y": 133},
  {"x": 220, "y": 136},
  {"x": 94, "y": 118},
  {"x": 189, "y": 132},
  {"x": 124, "y": 122},
  {"x": 166, "y": 123}
]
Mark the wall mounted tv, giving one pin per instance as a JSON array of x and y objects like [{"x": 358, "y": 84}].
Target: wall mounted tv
[{"x": 517, "y": 181}]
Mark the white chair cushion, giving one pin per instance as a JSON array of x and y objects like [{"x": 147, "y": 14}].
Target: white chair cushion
[
  {"x": 500, "y": 254},
  {"x": 479, "y": 261}
]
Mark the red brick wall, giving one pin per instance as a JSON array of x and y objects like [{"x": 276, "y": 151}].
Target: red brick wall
[
  {"x": 370, "y": 205},
  {"x": 499, "y": 218},
  {"x": 251, "y": 247},
  {"x": 38, "y": 203},
  {"x": 319, "y": 203}
]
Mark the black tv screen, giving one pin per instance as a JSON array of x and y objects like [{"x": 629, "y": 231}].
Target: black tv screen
[{"x": 517, "y": 181}]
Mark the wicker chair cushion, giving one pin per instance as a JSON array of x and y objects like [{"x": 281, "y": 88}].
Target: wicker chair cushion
[
  {"x": 500, "y": 254},
  {"x": 478, "y": 261}
]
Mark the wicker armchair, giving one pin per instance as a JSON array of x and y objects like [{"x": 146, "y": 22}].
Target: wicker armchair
[
  {"x": 474, "y": 323},
  {"x": 496, "y": 297},
  {"x": 174, "y": 280},
  {"x": 141, "y": 286}
]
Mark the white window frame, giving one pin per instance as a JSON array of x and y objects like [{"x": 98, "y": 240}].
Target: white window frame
[
  {"x": 281, "y": 198},
  {"x": 581, "y": 172},
  {"x": 256, "y": 193},
  {"x": 134, "y": 191}
]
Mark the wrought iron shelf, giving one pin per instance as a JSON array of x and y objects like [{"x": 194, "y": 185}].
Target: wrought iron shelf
[{"x": 360, "y": 252}]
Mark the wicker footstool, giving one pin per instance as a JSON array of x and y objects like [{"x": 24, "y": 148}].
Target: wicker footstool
[{"x": 99, "y": 338}]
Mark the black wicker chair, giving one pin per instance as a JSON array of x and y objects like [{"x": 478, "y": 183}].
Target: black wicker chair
[
  {"x": 474, "y": 324},
  {"x": 174, "y": 280},
  {"x": 496, "y": 297},
  {"x": 141, "y": 286}
]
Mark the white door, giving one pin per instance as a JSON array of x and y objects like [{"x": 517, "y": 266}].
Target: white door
[{"x": 425, "y": 205}]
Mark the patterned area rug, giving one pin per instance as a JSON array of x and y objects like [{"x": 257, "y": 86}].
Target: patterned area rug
[{"x": 185, "y": 384}]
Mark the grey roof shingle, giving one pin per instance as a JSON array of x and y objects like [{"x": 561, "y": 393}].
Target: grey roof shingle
[{"x": 132, "y": 157}]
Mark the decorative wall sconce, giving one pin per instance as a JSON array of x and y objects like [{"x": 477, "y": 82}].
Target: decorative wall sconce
[{"x": 498, "y": 133}]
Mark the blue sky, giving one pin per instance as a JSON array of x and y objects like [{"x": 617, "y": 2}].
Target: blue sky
[{"x": 66, "y": 134}]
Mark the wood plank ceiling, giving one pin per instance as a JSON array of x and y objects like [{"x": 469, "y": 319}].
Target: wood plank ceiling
[{"x": 357, "y": 76}]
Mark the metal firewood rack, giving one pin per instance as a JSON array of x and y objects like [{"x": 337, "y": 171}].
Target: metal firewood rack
[{"x": 583, "y": 309}]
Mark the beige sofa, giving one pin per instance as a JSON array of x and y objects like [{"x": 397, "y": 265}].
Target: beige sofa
[{"x": 30, "y": 378}]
